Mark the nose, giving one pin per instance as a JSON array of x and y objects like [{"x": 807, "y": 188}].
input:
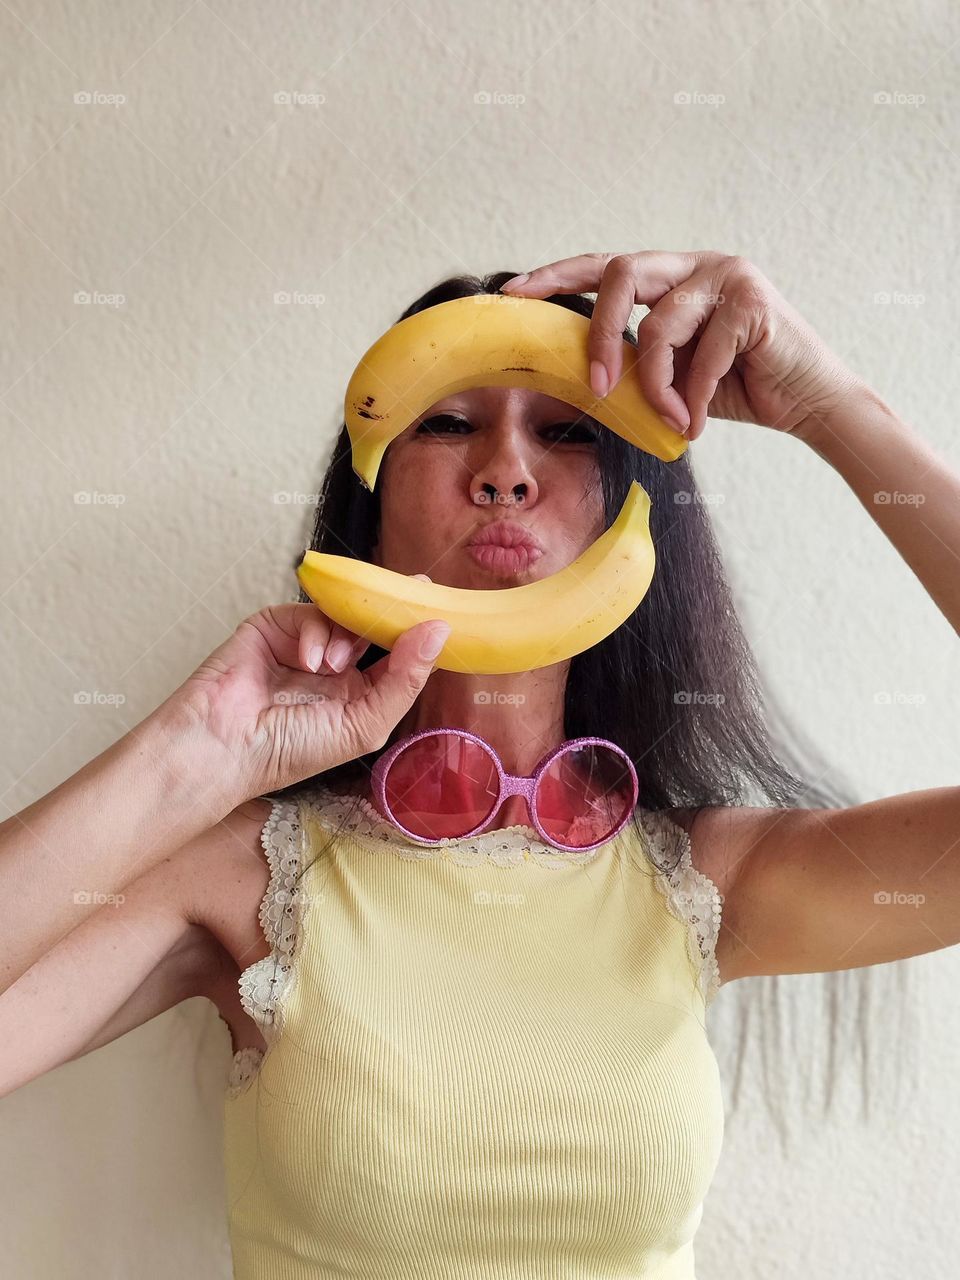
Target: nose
[{"x": 502, "y": 474}]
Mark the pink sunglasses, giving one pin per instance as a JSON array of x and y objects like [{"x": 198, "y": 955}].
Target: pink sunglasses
[{"x": 447, "y": 783}]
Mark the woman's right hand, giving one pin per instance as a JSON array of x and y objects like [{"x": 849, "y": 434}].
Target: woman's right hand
[{"x": 270, "y": 696}]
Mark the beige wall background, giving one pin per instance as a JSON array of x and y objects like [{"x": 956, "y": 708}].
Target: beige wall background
[{"x": 180, "y": 195}]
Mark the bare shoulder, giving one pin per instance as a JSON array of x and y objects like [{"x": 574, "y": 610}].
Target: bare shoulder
[
  {"x": 230, "y": 874},
  {"x": 715, "y": 834},
  {"x": 213, "y": 884},
  {"x": 230, "y": 878},
  {"x": 722, "y": 839}
]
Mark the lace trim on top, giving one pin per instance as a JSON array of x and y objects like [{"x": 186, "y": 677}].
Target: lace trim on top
[
  {"x": 691, "y": 896},
  {"x": 264, "y": 983}
]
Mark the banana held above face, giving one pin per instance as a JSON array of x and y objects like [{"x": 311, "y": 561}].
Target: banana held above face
[
  {"x": 489, "y": 340},
  {"x": 481, "y": 341}
]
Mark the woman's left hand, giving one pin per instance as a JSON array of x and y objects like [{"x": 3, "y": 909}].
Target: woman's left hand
[{"x": 718, "y": 340}]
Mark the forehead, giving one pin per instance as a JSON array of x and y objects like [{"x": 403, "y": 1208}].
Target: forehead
[{"x": 494, "y": 401}]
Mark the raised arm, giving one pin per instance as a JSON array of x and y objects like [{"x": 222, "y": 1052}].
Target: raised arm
[
  {"x": 904, "y": 484},
  {"x": 263, "y": 712},
  {"x": 133, "y": 959},
  {"x": 74, "y": 850},
  {"x": 816, "y": 890},
  {"x": 720, "y": 341}
]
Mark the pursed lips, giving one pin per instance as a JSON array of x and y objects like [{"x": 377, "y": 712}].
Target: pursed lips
[{"x": 505, "y": 546}]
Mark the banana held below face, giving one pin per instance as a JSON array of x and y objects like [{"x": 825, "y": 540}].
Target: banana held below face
[
  {"x": 499, "y": 631},
  {"x": 489, "y": 340}
]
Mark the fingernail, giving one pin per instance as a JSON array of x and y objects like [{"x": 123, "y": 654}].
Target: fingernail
[
  {"x": 338, "y": 653},
  {"x": 521, "y": 279},
  {"x": 434, "y": 643},
  {"x": 314, "y": 654},
  {"x": 677, "y": 426},
  {"x": 598, "y": 378}
]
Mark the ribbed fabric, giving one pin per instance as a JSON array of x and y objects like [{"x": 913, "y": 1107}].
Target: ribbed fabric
[{"x": 490, "y": 1071}]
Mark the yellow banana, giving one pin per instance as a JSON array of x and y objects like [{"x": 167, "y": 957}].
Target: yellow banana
[
  {"x": 498, "y": 631},
  {"x": 489, "y": 340}
]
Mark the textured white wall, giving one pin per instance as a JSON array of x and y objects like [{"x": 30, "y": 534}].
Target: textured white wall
[{"x": 197, "y": 198}]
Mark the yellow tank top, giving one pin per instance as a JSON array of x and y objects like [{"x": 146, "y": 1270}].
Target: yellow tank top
[{"x": 483, "y": 1059}]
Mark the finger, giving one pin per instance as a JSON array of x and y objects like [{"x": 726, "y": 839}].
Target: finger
[
  {"x": 566, "y": 275},
  {"x": 716, "y": 349},
  {"x": 657, "y": 271},
  {"x": 281, "y": 628},
  {"x": 396, "y": 681},
  {"x": 668, "y": 326},
  {"x": 611, "y": 315},
  {"x": 315, "y": 631},
  {"x": 343, "y": 648},
  {"x": 621, "y": 281},
  {"x": 325, "y": 646}
]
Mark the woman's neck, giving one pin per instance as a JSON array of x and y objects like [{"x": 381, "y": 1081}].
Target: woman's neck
[{"x": 521, "y": 715}]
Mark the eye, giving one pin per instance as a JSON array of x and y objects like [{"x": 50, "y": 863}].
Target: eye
[
  {"x": 578, "y": 432},
  {"x": 438, "y": 424}
]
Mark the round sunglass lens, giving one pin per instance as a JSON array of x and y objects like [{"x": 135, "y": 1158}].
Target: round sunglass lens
[
  {"x": 442, "y": 786},
  {"x": 584, "y": 795}
]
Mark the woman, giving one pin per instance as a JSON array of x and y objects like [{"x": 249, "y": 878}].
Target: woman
[{"x": 482, "y": 1057}]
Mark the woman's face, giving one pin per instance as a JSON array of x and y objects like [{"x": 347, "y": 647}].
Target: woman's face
[{"x": 511, "y": 462}]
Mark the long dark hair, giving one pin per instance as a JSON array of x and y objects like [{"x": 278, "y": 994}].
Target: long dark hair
[{"x": 677, "y": 686}]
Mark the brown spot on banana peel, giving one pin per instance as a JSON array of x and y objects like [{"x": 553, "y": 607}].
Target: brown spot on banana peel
[{"x": 363, "y": 411}]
